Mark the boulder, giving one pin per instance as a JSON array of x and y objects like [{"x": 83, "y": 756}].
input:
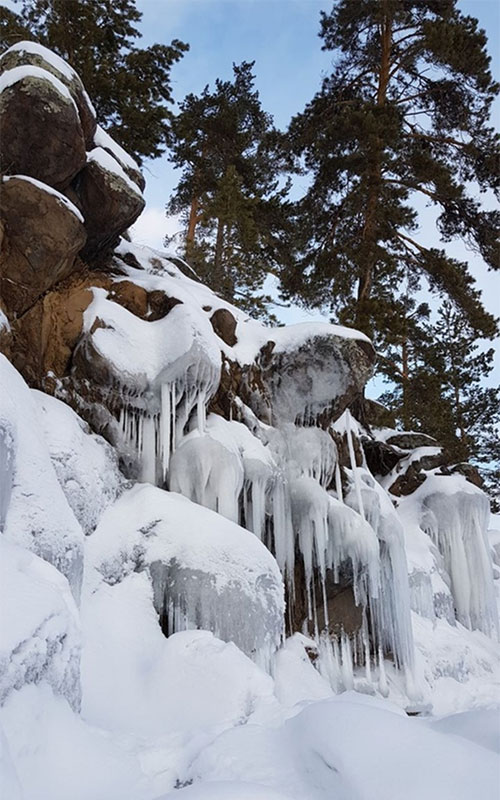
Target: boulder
[
  {"x": 409, "y": 440},
  {"x": 24, "y": 53},
  {"x": 40, "y": 127},
  {"x": 127, "y": 163},
  {"x": 111, "y": 202},
  {"x": 312, "y": 380},
  {"x": 224, "y": 325},
  {"x": 43, "y": 233}
]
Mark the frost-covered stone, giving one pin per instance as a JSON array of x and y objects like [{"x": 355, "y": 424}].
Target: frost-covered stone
[{"x": 39, "y": 628}]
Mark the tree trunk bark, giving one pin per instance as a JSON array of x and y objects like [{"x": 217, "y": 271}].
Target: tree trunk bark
[{"x": 369, "y": 235}]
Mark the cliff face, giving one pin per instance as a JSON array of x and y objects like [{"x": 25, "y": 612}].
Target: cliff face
[{"x": 296, "y": 518}]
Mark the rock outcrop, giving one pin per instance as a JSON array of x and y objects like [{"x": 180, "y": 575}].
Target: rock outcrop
[
  {"x": 68, "y": 189},
  {"x": 265, "y": 427}
]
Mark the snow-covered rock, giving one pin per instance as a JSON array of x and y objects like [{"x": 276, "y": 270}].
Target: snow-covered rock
[
  {"x": 39, "y": 626},
  {"x": 85, "y": 464},
  {"x": 205, "y": 571},
  {"x": 34, "y": 511}
]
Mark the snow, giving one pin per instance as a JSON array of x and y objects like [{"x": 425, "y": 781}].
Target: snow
[
  {"x": 34, "y": 512},
  {"x": 225, "y": 790},
  {"x": 4, "y": 322},
  {"x": 13, "y": 76},
  {"x": 110, "y": 164},
  {"x": 39, "y": 626},
  {"x": 85, "y": 464},
  {"x": 61, "y": 197},
  {"x": 106, "y": 142},
  {"x": 48, "y": 55},
  {"x": 351, "y": 747},
  {"x": 205, "y": 571}
]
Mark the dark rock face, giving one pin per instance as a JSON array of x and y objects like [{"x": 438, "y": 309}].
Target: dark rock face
[
  {"x": 41, "y": 239},
  {"x": 410, "y": 440},
  {"x": 20, "y": 57},
  {"x": 51, "y": 145},
  {"x": 381, "y": 458},
  {"x": 109, "y": 206},
  {"x": 224, "y": 325}
]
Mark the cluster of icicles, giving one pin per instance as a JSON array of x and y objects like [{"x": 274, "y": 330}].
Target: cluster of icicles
[{"x": 285, "y": 486}]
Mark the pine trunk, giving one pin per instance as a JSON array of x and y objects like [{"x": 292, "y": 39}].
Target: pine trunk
[{"x": 369, "y": 235}]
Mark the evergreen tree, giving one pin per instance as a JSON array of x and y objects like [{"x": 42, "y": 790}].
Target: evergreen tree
[
  {"x": 442, "y": 392},
  {"x": 403, "y": 114},
  {"x": 229, "y": 194},
  {"x": 129, "y": 86}
]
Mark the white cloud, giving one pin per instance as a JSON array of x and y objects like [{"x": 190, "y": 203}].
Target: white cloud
[{"x": 152, "y": 227}]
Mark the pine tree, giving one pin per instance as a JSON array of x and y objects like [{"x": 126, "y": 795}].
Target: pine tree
[
  {"x": 129, "y": 86},
  {"x": 403, "y": 114},
  {"x": 229, "y": 194},
  {"x": 443, "y": 392}
]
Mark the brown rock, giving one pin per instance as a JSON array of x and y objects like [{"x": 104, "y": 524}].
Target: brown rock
[
  {"x": 110, "y": 206},
  {"x": 41, "y": 239},
  {"x": 18, "y": 57},
  {"x": 46, "y": 335},
  {"x": 224, "y": 325},
  {"x": 40, "y": 131}
]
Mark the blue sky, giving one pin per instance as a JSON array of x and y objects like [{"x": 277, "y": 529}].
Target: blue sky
[{"x": 282, "y": 37}]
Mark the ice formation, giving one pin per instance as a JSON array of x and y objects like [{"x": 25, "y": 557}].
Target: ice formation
[{"x": 456, "y": 516}]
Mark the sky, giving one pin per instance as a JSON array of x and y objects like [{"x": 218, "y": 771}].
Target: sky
[{"x": 281, "y": 36}]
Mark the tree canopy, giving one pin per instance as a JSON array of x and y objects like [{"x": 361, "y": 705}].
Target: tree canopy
[
  {"x": 403, "y": 114},
  {"x": 229, "y": 194}
]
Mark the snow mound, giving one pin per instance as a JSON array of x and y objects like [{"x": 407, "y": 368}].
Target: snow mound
[
  {"x": 85, "y": 464},
  {"x": 205, "y": 571},
  {"x": 352, "y": 747},
  {"x": 34, "y": 512},
  {"x": 39, "y": 627}
]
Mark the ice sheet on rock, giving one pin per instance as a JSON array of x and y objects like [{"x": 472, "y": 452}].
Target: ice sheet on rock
[
  {"x": 33, "y": 509},
  {"x": 61, "y": 197},
  {"x": 110, "y": 164},
  {"x": 456, "y": 516},
  {"x": 13, "y": 76},
  {"x": 85, "y": 464},
  {"x": 39, "y": 627},
  {"x": 206, "y": 572}
]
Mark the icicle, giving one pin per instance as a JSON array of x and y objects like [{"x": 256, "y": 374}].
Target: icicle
[
  {"x": 166, "y": 426},
  {"x": 352, "y": 457}
]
